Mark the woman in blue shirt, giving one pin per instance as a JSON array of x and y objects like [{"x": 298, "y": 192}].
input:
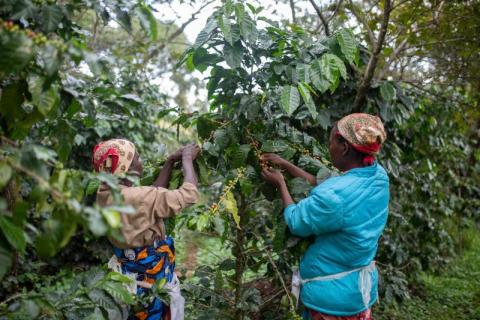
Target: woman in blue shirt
[{"x": 346, "y": 214}]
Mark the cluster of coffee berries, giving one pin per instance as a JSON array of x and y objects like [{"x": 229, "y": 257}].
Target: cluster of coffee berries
[
  {"x": 38, "y": 38},
  {"x": 307, "y": 152},
  {"x": 227, "y": 188},
  {"x": 258, "y": 153},
  {"x": 10, "y": 26}
]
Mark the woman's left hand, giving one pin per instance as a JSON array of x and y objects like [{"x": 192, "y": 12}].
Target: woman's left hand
[
  {"x": 272, "y": 176},
  {"x": 177, "y": 155}
]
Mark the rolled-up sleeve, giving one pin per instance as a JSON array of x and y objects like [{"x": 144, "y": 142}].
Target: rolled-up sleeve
[
  {"x": 320, "y": 212},
  {"x": 170, "y": 202}
]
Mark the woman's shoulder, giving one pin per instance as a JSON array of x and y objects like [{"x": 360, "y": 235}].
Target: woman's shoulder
[
  {"x": 330, "y": 188},
  {"x": 335, "y": 181},
  {"x": 382, "y": 172},
  {"x": 141, "y": 192},
  {"x": 341, "y": 186}
]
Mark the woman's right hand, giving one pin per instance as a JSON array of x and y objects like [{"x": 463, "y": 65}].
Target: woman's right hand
[
  {"x": 177, "y": 155},
  {"x": 273, "y": 159},
  {"x": 272, "y": 176},
  {"x": 191, "y": 151}
]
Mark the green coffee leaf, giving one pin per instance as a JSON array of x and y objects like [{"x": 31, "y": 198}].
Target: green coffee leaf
[
  {"x": 333, "y": 65},
  {"x": 348, "y": 44},
  {"x": 387, "y": 91},
  {"x": 221, "y": 138},
  {"x": 290, "y": 99},
  {"x": 307, "y": 99},
  {"x": 45, "y": 101},
  {"x": 205, "y": 34},
  {"x": 123, "y": 18},
  {"x": 51, "y": 59},
  {"x": 14, "y": 235},
  {"x": 147, "y": 21},
  {"x": 112, "y": 217},
  {"x": 5, "y": 261},
  {"x": 302, "y": 73},
  {"x": 102, "y": 299},
  {"x": 248, "y": 30},
  {"x": 52, "y": 15},
  {"x": 317, "y": 76},
  {"x": 239, "y": 155},
  {"x": 230, "y": 205},
  {"x": 202, "y": 222},
  {"x": 233, "y": 55},
  {"x": 119, "y": 277},
  {"x": 239, "y": 12},
  {"x": 5, "y": 174},
  {"x": 205, "y": 126},
  {"x": 119, "y": 292},
  {"x": 16, "y": 49},
  {"x": 226, "y": 28}
]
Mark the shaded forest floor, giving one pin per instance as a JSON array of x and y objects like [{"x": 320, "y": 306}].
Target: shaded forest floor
[{"x": 451, "y": 295}]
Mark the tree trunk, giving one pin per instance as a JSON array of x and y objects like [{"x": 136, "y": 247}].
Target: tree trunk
[
  {"x": 292, "y": 7},
  {"x": 240, "y": 261},
  {"x": 238, "y": 272},
  {"x": 372, "y": 63}
]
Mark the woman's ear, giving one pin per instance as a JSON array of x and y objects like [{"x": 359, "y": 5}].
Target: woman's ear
[{"x": 345, "y": 148}]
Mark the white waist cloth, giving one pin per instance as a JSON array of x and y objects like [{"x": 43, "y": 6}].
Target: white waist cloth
[{"x": 364, "y": 280}]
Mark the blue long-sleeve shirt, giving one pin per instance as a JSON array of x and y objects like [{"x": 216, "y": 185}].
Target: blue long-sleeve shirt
[{"x": 347, "y": 215}]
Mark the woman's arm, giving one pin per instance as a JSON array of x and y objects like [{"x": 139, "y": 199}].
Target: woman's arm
[
  {"x": 299, "y": 172},
  {"x": 290, "y": 167},
  {"x": 164, "y": 176},
  {"x": 285, "y": 194},
  {"x": 189, "y": 154}
]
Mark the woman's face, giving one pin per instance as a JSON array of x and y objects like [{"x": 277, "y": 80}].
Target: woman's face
[
  {"x": 337, "y": 150},
  {"x": 136, "y": 165}
]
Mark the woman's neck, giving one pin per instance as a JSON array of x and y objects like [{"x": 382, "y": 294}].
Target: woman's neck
[
  {"x": 352, "y": 165},
  {"x": 125, "y": 182}
]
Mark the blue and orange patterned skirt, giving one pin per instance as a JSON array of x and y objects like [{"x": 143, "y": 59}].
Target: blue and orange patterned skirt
[{"x": 150, "y": 263}]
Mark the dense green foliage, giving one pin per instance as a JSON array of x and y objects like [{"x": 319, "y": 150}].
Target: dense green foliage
[
  {"x": 453, "y": 294},
  {"x": 64, "y": 86},
  {"x": 58, "y": 98}
]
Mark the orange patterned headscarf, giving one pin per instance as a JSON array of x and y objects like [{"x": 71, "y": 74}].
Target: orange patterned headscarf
[
  {"x": 364, "y": 132},
  {"x": 113, "y": 156}
]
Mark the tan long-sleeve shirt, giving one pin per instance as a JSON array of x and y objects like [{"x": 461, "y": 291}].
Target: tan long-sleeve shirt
[{"x": 152, "y": 205}]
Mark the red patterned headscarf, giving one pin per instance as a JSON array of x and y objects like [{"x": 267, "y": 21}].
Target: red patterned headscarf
[
  {"x": 364, "y": 132},
  {"x": 113, "y": 156}
]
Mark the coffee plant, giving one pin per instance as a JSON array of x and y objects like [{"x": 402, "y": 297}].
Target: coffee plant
[{"x": 270, "y": 90}]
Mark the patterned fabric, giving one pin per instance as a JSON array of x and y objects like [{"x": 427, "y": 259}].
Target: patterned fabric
[
  {"x": 365, "y": 315},
  {"x": 364, "y": 132},
  {"x": 114, "y": 156},
  {"x": 150, "y": 263}
]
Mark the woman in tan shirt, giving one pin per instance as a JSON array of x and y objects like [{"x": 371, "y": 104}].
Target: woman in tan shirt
[{"x": 146, "y": 253}]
